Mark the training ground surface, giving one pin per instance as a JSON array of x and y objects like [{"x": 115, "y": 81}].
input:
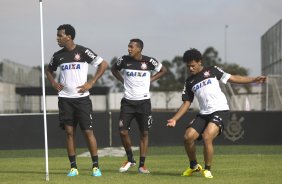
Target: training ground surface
[{"x": 232, "y": 164}]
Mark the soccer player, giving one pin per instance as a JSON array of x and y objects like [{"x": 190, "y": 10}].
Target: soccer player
[
  {"x": 75, "y": 106},
  {"x": 214, "y": 110},
  {"x": 136, "y": 78}
]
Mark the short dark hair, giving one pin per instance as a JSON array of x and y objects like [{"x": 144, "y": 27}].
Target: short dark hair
[
  {"x": 139, "y": 42},
  {"x": 192, "y": 55},
  {"x": 69, "y": 30}
]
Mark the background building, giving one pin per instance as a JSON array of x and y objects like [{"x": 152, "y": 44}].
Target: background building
[
  {"x": 14, "y": 75},
  {"x": 271, "y": 62}
]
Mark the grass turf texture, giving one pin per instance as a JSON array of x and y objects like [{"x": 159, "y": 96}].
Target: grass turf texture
[{"x": 232, "y": 164}]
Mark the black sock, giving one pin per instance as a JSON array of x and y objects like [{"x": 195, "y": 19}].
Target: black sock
[
  {"x": 207, "y": 167},
  {"x": 129, "y": 156},
  {"x": 142, "y": 161},
  {"x": 193, "y": 164},
  {"x": 72, "y": 161},
  {"x": 95, "y": 161}
]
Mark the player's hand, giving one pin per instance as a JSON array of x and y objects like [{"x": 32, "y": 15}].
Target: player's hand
[
  {"x": 260, "y": 79},
  {"x": 171, "y": 123},
  {"x": 57, "y": 86},
  {"x": 85, "y": 87}
]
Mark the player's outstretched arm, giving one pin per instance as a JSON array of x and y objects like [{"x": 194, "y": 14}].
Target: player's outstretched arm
[
  {"x": 181, "y": 111},
  {"x": 245, "y": 79}
]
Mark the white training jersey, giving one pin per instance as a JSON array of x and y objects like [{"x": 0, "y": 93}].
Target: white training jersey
[
  {"x": 205, "y": 86},
  {"x": 137, "y": 75},
  {"x": 73, "y": 69}
]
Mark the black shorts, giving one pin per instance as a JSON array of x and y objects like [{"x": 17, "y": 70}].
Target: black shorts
[
  {"x": 73, "y": 111},
  {"x": 138, "y": 109},
  {"x": 201, "y": 121}
]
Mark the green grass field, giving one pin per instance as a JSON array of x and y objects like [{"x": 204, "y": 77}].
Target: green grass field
[{"x": 232, "y": 164}]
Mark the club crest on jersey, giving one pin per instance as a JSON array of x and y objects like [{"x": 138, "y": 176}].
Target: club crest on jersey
[
  {"x": 207, "y": 74},
  {"x": 77, "y": 57},
  {"x": 143, "y": 66}
]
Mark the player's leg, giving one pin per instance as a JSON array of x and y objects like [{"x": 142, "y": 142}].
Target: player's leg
[
  {"x": 67, "y": 122},
  {"x": 193, "y": 133},
  {"x": 127, "y": 113},
  {"x": 145, "y": 121},
  {"x": 213, "y": 129},
  {"x": 209, "y": 135},
  {"x": 71, "y": 149},
  {"x": 92, "y": 146},
  {"x": 70, "y": 139},
  {"x": 126, "y": 143},
  {"x": 144, "y": 139},
  {"x": 190, "y": 138},
  {"x": 84, "y": 114}
]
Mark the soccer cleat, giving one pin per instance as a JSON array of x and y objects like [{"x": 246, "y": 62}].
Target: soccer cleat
[
  {"x": 189, "y": 171},
  {"x": 73, "y": 172},
  {"x": 143, "y": 170},
  {"x": 126, "y": 166},
  {"x": 207, "y": 173},
  {"x": 96, "y": 172}
]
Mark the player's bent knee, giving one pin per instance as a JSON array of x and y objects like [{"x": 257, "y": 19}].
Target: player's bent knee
[
  {"x": 189, "y": 138},
  {"x": 207, "y": 138}
]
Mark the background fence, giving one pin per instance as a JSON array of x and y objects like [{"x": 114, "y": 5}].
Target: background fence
[{"x": 243, "y": 128}]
